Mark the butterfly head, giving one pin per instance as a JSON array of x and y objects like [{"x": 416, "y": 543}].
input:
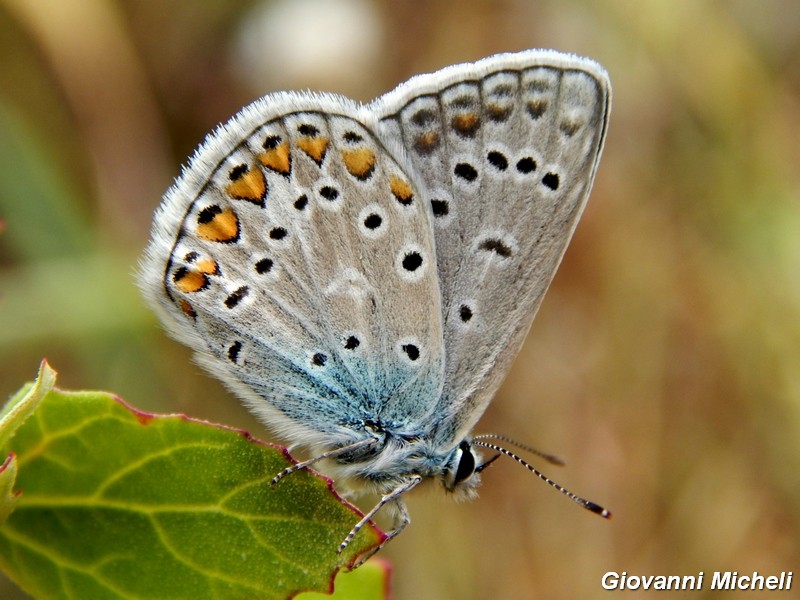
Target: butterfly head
[
  {"x": 392, "y": 460},
  {"x": 461, "y": 475}
]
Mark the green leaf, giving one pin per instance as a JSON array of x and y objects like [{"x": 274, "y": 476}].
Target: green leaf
[
  {"x": 368, "y": 582},
  {"x": 13, "y": 415},
  {"x": 23, "y": 403},
  {"x": 116, "y": 503},
  {"x": 8, "y": 476}
]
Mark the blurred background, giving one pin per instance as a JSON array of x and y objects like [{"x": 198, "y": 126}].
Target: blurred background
[{"x": 664, "y": 364}]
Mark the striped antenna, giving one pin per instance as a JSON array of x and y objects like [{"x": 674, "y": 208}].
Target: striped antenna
[
  {"x": 551, "y": 458},
  {"x": 588, "y": 505}
]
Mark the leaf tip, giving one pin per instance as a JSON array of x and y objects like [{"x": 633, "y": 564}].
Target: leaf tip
[{"x": 46, "y": 376}]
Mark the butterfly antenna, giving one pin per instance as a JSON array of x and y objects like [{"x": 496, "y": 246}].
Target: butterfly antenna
[
  {"x": 486, "y": 463},
  {"x": 588, "y": 505},
  {"x": 551, "y": 458}
]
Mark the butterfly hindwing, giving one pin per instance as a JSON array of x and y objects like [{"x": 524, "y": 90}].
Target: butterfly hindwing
[{"x": 507, "y": 150}]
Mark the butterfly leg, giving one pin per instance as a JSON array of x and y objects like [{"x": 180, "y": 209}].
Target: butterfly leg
[
  {"x": 329, "y": 454},
  {"x": 403, "y": 519}
]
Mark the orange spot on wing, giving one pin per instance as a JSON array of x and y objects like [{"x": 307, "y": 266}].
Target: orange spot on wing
[
  {"x": 466, "y": 123},
  {"x": 250, "y": 185},
  {"x": 187, "y": 309},
  {"x": 218, "y": 226},
  {"x": 278, "y": 159},
  {"x": 401, "y": 190},
  {"x": 360, "y": 162},
  {"x": 190, "y": 281},
  {"x": 497, "y": 112},
  {"x": 424, "y": 143},
  {"x": 536, "y": 108},
  {"x": 208, "y": 266},
  {"x": 315, "y": 147}
]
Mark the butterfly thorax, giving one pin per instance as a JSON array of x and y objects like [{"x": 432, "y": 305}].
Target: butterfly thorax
[{"x": 397, "y": 456}]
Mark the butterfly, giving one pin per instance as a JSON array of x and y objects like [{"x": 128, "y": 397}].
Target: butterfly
[{"x": 362, "y": 276}]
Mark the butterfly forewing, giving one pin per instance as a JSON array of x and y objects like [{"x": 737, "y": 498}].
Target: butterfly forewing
[
  {"x": 506, "y": 150},
  {"x": 301, "y": 269}
]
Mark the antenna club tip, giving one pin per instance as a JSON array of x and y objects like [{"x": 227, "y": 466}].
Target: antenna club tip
[{"x": 599, "y": 510}]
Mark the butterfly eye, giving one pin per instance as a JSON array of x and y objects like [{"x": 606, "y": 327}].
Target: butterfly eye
[{"x": 466, "y": 463}]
